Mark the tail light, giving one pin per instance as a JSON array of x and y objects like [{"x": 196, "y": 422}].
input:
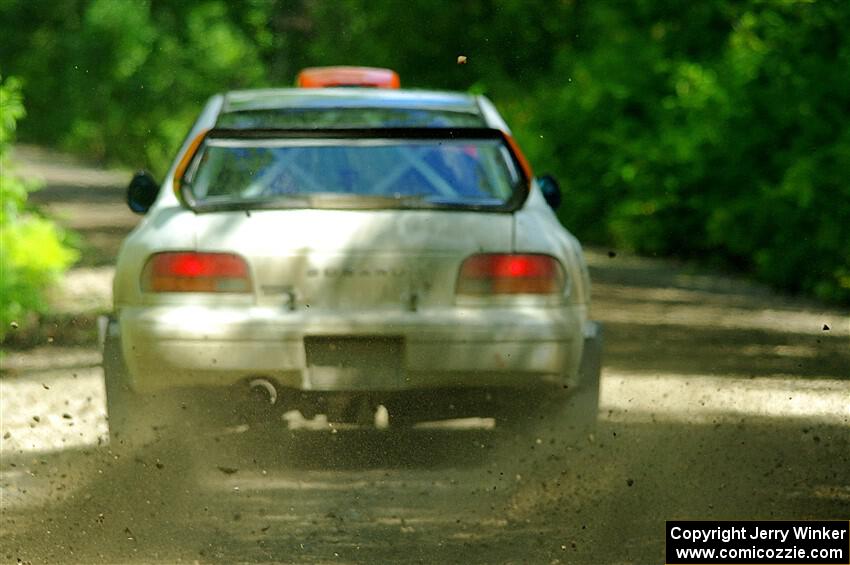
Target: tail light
[
  {"x": 494, "y": 273},
  {"x": 187, "y": 271}
]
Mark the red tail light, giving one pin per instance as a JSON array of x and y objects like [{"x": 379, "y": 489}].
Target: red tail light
[
  {"x": 493, "y": 273},
  {"x": 187, "y": 271}
]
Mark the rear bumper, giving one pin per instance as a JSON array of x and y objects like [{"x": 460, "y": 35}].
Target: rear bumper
[{"x": 187, "y": 346}]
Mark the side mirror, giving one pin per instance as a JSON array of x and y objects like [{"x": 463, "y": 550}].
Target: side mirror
[
  {"x": 551, "y": 190},
  {"x": 141, "y": 193}
]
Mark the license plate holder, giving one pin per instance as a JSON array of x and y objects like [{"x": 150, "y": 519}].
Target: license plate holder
[{"x": 354, "y": 362}]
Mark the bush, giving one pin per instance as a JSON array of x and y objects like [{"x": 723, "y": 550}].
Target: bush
[{"x": 32, "y": 250}]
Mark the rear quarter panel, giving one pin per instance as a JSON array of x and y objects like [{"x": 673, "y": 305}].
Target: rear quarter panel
[{"x": 538, "y": 230}]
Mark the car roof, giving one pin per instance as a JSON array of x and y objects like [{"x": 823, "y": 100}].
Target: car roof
[{"x": 317, "y": 98}]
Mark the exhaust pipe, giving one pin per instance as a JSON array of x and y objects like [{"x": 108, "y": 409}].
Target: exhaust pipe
[{"x": 263, "y": 389}]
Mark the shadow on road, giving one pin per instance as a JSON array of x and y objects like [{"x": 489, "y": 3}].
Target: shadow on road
[{"x": 440, "y": 497}]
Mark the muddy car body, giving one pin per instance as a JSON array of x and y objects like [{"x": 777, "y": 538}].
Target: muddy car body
[{"x": 343, "y": 248}]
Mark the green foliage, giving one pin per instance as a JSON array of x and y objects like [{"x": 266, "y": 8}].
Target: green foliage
[
  {"x": 737, "y": 152},
  {"x": 718, "y": 130},
  {"x": 32, "y": 253},
  {"x": 122, "y": 80}
]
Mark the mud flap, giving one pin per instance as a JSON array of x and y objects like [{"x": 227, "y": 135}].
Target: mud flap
[
  {"x": 131, "y": 421},
  {"x": 115, "y": 380},
  {"x": 590, "y": 368},
  {"x": 585, "y": 404}
]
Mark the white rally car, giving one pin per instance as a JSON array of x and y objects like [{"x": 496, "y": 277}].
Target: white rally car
[{"x": 333, "y": 250}]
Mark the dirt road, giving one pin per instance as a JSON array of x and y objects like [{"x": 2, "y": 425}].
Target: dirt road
[{"x": 720, "y": 400}]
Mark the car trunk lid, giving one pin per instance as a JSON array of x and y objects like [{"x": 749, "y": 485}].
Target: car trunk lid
[{"x": 355, "y": 259}]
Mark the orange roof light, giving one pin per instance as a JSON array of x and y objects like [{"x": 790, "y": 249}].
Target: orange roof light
[{"x": 323, "y": 77}]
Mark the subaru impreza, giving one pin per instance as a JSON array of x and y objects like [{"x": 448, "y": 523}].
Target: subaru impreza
[{"x": 346, "y": 247}]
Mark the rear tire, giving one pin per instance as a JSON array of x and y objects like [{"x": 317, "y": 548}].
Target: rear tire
[
  {"x": 584, "y": 405},
  {"x": 578, "y": 407},
  {"x": 134, "y": 420},
  {"x": 120, "y": 402}
]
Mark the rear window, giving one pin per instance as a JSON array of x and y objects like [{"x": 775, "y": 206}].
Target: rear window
[{"x": 365, "y": 171}]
